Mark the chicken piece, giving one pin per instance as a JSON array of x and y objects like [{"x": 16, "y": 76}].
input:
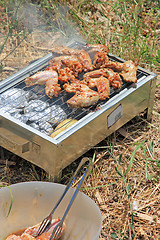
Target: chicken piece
[
  {"x": 52, "y": 88},
  {"x": 103, "y": 87},
  {"x": 40, "y": 78},
  {"x": 98, "y": 48},
  {"x": 95, "y": 73},
  {"x": 84, "y": 97},
  {"x": 73, "y": 87},
  {"x": 82, "y": 56},
  {"x": 64, "y": 50},
  {"x": 100, "y": 56},
  {"x": 102, "y": 84},
  {"x": 48, "y": 78},
  {"x": 13, "y": 237},
  {"x": 113, "y": 65},
  {"x": 127, "y": 69},
  {"x": 70, "y": 61},
  {"x": 26, "y": 236},
  {"x": 54, "y": 65},
  {"x": 100, "y": 59},
  {"x": 65, "y": 75},
  {"x": 85, "y": 60},
  {"x": 73, "y": 64},
  {"x": 113, "y": 77},
  {"x": 31, "y": 231},
  {"x": 47, "y": 234}
]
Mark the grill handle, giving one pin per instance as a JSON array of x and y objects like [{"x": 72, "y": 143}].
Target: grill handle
[{"x": 13, "y": 142}]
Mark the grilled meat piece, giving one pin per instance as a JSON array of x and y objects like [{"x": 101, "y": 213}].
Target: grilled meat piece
[
  {"x": 40, "y": 77},
  {"x": 113, "y": 77},
  {"x": 65, "y": 75},
  {"x": 64, "y": 50},
  {"x": 48, "y": 78},
  {"x": 127, "y": 69},
  {"x": 95, "y": 73},
  {"x": 84, "y": 96},
  {"x": 70, "y": 61},
  {"x": 73, "y": 87},
  {"x": 83, "y": 99},
  {"x": 74, "y": 65},
  {"x": 55, "y": 64},
  {"x": 98, "y": 48},
  {"x": 102, "y": 84},
  {"x": 100, "y": 59},
  {"x": 103, "y": 87},
  {"x": 52, "y": 88},
  {"x": 13, "y": 237},
  {"x": 29, "y": 232},
  {"x": 100, "y": 56},
  {"x": 82, "y": 56},
  {"x": 85, "y": 60},
  {"x": 113, "y": 65}
]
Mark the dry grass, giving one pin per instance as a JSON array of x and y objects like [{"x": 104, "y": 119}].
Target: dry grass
[
  {"x": 129, "y": 203},
  {"x": 110, "y": 192}
]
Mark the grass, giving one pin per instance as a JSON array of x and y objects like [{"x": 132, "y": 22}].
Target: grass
[
  {"x": 126, "y": 27},
  {"x": 127, "y": 163}
]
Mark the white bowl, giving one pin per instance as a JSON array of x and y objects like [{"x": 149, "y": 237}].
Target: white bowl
[{"x": 32, "y": 201}]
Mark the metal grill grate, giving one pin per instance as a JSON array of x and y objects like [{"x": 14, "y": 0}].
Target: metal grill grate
[{"x": 64, "y": 96}]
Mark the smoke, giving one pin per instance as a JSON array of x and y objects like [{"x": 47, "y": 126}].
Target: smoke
[{"x": 48, "y": 28}]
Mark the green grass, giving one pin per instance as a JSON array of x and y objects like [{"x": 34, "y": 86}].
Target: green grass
[{"x": 131, "y": 31}]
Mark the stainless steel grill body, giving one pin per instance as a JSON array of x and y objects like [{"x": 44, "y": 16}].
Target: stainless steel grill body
[{"x": 54, "y": 154}]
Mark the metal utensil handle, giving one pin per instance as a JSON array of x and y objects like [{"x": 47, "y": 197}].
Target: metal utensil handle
[
  {"x": 69, "y": 183},
  {"x": 77, "y": 189}
]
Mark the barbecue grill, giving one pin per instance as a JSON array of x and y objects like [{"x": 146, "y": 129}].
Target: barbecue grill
[{"x": 29, "y": 138}]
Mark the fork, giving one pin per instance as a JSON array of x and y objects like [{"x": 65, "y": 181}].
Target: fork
[
  {"x": 47, "y": 220},
  {"x": 58, "y": 228}
]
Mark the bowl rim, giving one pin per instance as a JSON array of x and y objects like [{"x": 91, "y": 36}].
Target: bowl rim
[{"x": 36, "y": 183}]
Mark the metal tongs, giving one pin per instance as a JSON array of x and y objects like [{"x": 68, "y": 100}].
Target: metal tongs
[{"x": 47, "y": 220}]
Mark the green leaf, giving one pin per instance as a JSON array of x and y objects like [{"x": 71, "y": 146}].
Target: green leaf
[
  {"x": 128, "y": 188},
  {"x": 158, "y": 163},
  {"x": 111, "y": 145},
  {"x": 114, "y": 235},
  {"x": 132, "y": 157},
  {"x": 11, "y": 201},
  {"x": 158, "y": 57},
  {"x": 120, "y": 158},
  {"x": 103, "y": 14},
  {"x": 149, "y": 177},
  {"x": 118, "y": 171},
  {"x": 1, "y": 67},
  {"x": 150, "y": 146}
]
